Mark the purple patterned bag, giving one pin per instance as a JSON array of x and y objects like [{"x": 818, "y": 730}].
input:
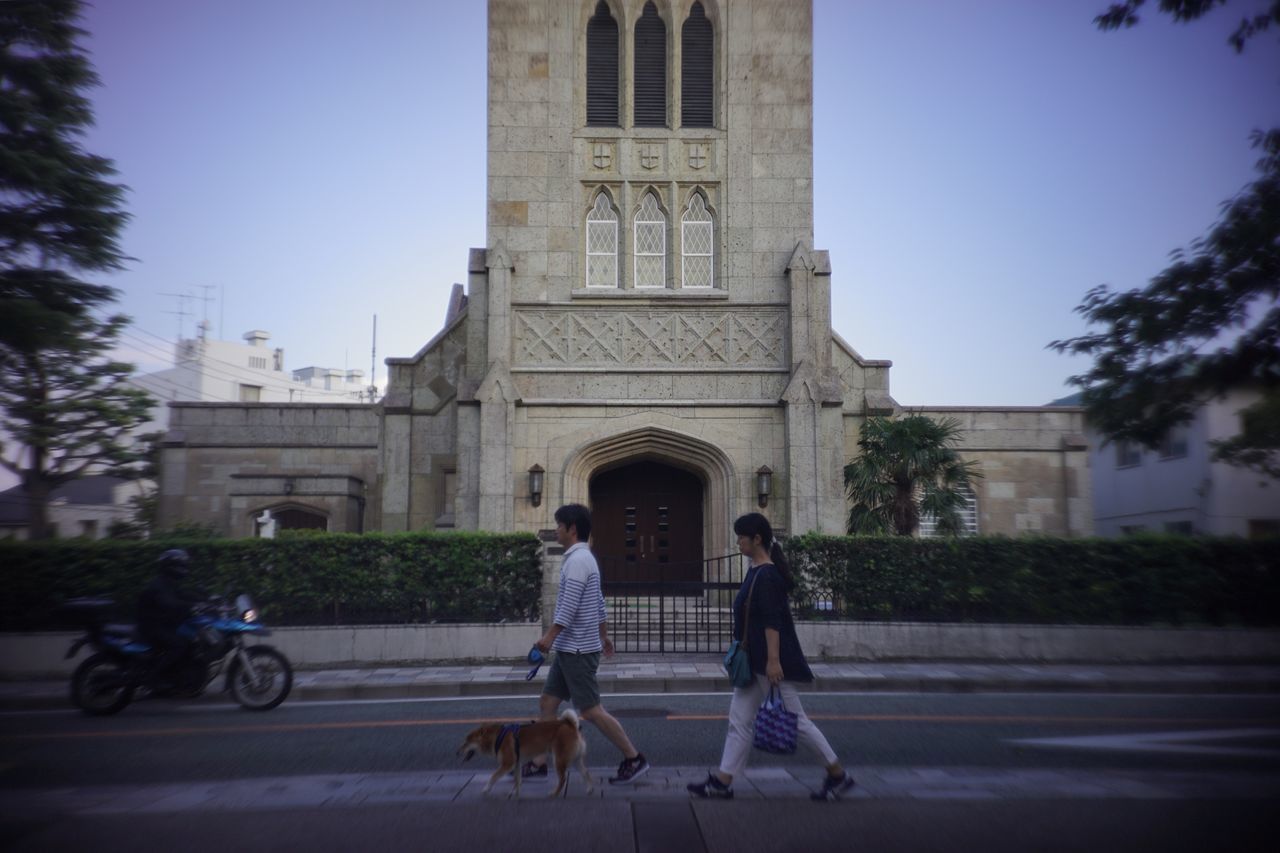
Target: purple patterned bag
[{"x": 775, "y": 725}]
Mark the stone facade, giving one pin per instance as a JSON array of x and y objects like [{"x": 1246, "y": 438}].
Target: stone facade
[{"x": 648, "y": 294}]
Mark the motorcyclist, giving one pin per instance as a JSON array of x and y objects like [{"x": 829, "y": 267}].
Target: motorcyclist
[{"x": 162, "y": 607}]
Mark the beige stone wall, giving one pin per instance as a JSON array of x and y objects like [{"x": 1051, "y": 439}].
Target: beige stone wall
[
  {"x": 222, "y": 464},
  {"x": 1033, "y": 461},
  {"x": 754, "y": 168}
]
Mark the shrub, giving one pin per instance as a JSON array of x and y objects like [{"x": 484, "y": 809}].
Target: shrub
[
  {"x": 297, "y": 580},
  {"x": 1140, "y": 580}
]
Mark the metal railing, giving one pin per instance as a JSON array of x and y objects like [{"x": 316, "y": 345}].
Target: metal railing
[{"x": 662, "y": 608}]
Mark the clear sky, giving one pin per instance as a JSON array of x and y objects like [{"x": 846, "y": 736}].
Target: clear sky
[{"x": 978, "y": 166}]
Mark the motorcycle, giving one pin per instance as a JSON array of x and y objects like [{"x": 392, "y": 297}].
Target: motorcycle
[{"x": 259, "y": 677}]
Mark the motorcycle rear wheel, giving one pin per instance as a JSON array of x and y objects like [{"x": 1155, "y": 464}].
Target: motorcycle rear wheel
[
  {"x": 100, "y": 686},
  {"x": 272, "y": 685}
]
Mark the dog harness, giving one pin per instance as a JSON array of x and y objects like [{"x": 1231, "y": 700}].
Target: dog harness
[{"x": 512, "y": 729}]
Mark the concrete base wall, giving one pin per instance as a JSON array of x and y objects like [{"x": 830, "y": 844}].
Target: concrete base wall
[
  {"x": 880, "y": 641},
  {"x": 41, "y": 655}
]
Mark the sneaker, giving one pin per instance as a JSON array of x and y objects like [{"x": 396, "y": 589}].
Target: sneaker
[
  {"x": 630, "y": 770},
  {"x": 533, "y": 771},
  {"x": 713, "y": 788},
  {"x": 833, "y": 787}
]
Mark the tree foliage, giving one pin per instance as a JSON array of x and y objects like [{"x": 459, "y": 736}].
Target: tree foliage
[
  {"x": 66, "y": 410},
  {"x": 907, "y": 467},
  {"x": 1208, "y": 323},
  {"x": 58, "y": 205}
]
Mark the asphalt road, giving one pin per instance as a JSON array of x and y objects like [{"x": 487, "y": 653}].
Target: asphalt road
[{"x": 1236, "y": 738}]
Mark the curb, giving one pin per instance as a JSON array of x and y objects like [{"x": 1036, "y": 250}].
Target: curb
[{"x": 53, "y": 695}]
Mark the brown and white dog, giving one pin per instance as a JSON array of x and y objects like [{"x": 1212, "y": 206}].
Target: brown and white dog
[{"x": 561, "y": 738}]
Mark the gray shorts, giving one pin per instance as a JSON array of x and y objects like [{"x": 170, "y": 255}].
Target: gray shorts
[{"x": 572, "y": 678}]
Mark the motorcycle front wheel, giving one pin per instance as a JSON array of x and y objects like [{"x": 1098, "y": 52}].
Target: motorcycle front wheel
[
  {"x": 100, "y": 686},
  {"x": 270, "y": 683}
]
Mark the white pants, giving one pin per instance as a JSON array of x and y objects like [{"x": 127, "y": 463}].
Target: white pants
[{"x": 742, "y": 724}]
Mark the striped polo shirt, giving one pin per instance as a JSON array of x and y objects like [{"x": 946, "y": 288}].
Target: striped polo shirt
[{"x": 580, "y": 604}]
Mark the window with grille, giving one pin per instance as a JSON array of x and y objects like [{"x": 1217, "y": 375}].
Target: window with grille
[
  {"x": 696, "y": 234},
  {"x": 602, "y": 244},
  {"x": 697, "y": 77},
  {"x": 602, "y": 68},
  {"x": 968, "y": 517},
  {"x": 651, "y": 244},
  {"x": 1128, "y": 454},
  {"x": 650, "y": 69},
  {"x": 1174, "y": 443}
]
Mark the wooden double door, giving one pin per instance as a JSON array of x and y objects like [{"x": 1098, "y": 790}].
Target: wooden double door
[{"x": 647, "y": 524}]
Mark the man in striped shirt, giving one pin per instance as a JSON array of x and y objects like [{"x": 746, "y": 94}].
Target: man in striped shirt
[{"x": 578, "y": 636}]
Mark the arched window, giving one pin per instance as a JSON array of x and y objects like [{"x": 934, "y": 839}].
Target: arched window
[
  {"x": 968, "y": 517},
  {"x": 651, "y": 243},
  {"x": 602, "y": 68},
  {"x": 696, "y": 233},
  {"x": 697, "y": 77},
  {"x": 602, "y": 244},
  {"x": 651, "y": 69}
]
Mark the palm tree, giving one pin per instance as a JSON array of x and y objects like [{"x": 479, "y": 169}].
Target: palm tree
[{"x": 907, "y": 467}]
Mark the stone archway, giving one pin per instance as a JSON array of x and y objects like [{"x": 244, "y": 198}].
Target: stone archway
[{"x": 703, "y": 460}]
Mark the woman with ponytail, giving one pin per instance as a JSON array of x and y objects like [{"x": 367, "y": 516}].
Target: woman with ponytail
[{"x": 776, "y": 661}]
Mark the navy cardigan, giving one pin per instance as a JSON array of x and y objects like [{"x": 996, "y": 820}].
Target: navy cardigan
[{"x": 769, "y": 609}]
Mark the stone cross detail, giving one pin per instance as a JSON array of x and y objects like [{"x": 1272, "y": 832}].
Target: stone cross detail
[
  {"x": 601, "y": 155},
  {"x": 649, "y": 156},
  {"x": 697, "y": 156}
]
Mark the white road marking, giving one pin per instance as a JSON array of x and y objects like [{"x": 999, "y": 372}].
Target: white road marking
[{"x": 1176, "y": 743}]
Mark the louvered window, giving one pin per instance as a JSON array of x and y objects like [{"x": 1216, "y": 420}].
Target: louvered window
[
  {"x": 968, "y": 517},
  {"x": 602, "y": 68},
  {"x": 602, "y": 244},
  {"x": 695, "y": 242},
  {"x": 651, "y": 69},
  {"x": 651, "y": 244},
  {"x": 696, "y": 75}
]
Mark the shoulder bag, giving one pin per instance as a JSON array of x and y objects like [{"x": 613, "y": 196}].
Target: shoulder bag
[{"x": 737, "y": 663}]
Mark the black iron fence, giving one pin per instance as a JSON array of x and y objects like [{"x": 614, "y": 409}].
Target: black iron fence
[{"x": 657, "y": 609}]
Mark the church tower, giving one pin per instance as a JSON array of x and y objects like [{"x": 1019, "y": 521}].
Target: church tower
[{"x": 650, "y": 325}]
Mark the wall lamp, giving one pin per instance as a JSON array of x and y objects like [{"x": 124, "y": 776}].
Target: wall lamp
[
  {"x": 535, "y": 484},
  {"x": 764, "y": 485}
]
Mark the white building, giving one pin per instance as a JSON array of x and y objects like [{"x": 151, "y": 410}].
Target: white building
[
  {"x": 212, "y": 371},
  {"x": 1177, "y": 488},
  {"x": 86, "y": 507}
]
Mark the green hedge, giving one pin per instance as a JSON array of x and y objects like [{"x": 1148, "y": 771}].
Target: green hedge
[
  {"x": 1142, "y": 580},
  {"x": 295, "y": 580}
]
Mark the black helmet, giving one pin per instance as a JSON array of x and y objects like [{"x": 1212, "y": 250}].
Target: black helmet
[{"x": 175, "y": 563}]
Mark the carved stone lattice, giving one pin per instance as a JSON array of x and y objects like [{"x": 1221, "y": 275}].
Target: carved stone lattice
[{"x": 595, "y": 338}]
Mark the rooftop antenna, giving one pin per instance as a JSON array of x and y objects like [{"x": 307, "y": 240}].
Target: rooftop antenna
[
  {"x": 182, "y": 311},
  {"x": 204, "y": 314},
  {"x": 373, "y": 364}
]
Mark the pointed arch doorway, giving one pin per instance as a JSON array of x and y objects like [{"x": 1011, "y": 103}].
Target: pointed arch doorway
[{"x": 647, "y": 524}]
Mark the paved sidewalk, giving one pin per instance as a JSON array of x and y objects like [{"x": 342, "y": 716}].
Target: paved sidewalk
[
  {"x": 684, "y": 674},
  {"x": 662, "y": 784}
]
